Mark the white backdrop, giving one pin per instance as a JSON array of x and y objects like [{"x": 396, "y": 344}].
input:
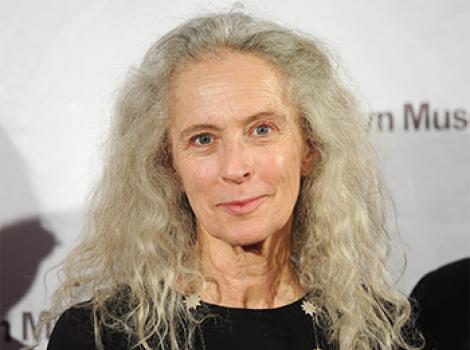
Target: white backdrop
[{"x": 61, "y": 63}]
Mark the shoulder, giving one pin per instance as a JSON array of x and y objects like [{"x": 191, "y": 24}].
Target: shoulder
[
  {"x": 443, "y": 304},
  {"x": 434, "y": 289},
  {"x": 73, "y": 330}
]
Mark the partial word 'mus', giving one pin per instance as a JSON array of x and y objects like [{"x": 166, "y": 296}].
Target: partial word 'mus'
[{"x": 420, "y": 118}]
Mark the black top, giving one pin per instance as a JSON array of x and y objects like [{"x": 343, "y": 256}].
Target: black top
[{"x": 285, "y": 328}]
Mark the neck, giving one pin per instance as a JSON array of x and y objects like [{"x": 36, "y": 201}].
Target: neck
[{"x": 255, "y": 276}]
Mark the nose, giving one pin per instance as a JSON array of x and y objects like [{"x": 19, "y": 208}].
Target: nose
[{"x": 236, "y": 164}]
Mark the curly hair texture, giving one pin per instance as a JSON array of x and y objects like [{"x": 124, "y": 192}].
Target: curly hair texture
[{"x": 140, "y": 236}]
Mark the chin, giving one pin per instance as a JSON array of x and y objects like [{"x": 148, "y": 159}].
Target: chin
[{"x": 245, "y": 239}]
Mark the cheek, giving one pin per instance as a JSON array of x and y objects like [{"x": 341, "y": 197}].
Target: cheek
[
  {"x": 197, "y": 174},
  {"x": 282, "y": 166}
]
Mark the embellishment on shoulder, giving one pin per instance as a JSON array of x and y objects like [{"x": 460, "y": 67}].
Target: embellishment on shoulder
[
  {"x": 192, "y": 302},
  {"x": 309, "y": 308}
]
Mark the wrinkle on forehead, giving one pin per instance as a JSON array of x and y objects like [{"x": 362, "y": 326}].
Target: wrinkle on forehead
[{"x": 201, "y": 91}]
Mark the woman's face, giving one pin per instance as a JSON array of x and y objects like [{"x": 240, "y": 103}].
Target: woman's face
[{"x": 237, "y": 148}]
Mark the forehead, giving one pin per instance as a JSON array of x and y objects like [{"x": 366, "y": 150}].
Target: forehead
[{"x": 226, "y": 85}]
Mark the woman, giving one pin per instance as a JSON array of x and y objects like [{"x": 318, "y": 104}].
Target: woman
[{"x": 241, "y": 205}]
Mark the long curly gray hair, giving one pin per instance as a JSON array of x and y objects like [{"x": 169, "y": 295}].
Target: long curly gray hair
[{"x": 141, "y": 230}]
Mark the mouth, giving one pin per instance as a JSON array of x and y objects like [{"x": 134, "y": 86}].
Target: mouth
[{"x": 244, "y": 206}]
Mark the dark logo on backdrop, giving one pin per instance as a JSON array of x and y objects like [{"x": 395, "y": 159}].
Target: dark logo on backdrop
[{"x": 420, "y": 117}]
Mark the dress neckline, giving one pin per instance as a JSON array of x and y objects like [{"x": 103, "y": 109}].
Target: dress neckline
[{"x": 293, "y": 304}]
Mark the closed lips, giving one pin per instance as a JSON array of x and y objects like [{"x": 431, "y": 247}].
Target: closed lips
[
  {"x": 242, "y": 202},
  {"x": 244, "y": 206}
]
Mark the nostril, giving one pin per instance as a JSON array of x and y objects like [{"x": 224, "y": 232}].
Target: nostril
[{"x": 238, "y": 177}]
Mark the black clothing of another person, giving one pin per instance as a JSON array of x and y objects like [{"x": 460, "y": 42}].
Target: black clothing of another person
[{"x": 443, "y": 303}]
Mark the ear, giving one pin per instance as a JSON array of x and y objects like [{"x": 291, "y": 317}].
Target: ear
[{"x": 309, "y": 157}]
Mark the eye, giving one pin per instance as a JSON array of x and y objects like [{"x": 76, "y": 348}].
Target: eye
[
  {"x": 202, "y": 139},
  {"x": 262, "y": 130}
]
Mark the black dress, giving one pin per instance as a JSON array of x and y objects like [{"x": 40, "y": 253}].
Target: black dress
[{"x": 285, "y": 328}]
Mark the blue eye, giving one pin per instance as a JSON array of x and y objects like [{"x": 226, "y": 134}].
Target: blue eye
[
  {"x": 262, "y": 130},
  {"x": 203, "y": 139}
]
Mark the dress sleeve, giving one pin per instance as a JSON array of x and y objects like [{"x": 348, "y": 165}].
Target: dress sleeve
[{"x": 73, "y": 331}]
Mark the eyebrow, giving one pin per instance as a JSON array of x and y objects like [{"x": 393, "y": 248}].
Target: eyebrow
[{"x": 211, "y": 127}]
